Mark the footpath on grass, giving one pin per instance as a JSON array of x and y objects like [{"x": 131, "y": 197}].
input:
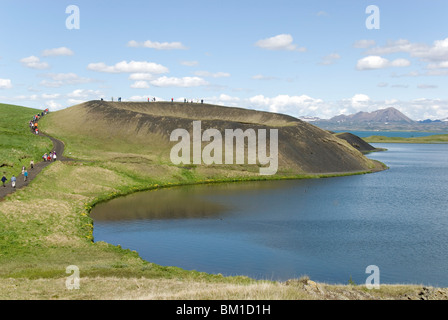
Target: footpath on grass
[{"x": 58, "y": 147}]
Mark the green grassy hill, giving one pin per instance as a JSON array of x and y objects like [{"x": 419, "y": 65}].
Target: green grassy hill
[
  {"x": 17, "y": 145},
  {"x": 135, "y": 136}
]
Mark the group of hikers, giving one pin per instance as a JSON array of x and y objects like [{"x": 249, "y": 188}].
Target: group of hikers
[
  {"x": 154, "y": 100},
  {"x": 51, "y": 156},
  {"x": 34, "y": 122},
  {"x": 14, "y": 178},
  {"x": 46, "y": 157},
  {"x": 191, "y": 101}
]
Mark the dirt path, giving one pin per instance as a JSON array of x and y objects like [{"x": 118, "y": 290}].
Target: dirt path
[{"x": 58, "y": 146}]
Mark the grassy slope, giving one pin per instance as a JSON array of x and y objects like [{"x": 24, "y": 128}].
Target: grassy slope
[
  {"x": 17, "y": 146},
  {"x": 440, "y": 138},
  {"x": 46, "y": 227}
]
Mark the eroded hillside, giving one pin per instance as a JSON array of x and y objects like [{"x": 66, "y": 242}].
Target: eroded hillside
[{"x": 144, "y": 128}]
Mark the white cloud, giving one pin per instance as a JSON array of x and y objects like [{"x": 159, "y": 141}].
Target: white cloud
[
  {"x": 400, "y": 63},
  {"x": 62, "y": 51},
  {"x": 212, "y": 75},
  {"x": 420, "y": 109},
  {"x": 139, "y": 98},
  {"x": 227, "y": 98},
  {"x": 322, "y": 14},
  {"x": 263, "y": 77},
  {"x": 144, "y": 98},
  {"x": 189, "y": 63},
  {"x": 363, "y": 44},
  {"x": 140, "y": 85},
  {"x": 184, "y": 82},
  {"x": 294, "y": 105},
  {"x": 436, "y": 52},
  {"x": 436, "y": 55},
  {"x": 377, "y": 62},
  {"x": 157, "y": 45},
  {"x": 372, "y": 62},
  {"x": 84, "y": 94},
  {"x": 391, "y": 101},
  {"x": 224, "y": 99},
  {"x": 50, "y": 95},
  {"x": 279, "y": 42},
  {"x": 53, "y": 106},
  {"x": 438, "y": 65},
  {"x": 141, "y": 76},
  {"x": 330, "y": 59},
  {"x": 437, "y": 72},
  {"x": 5, "y": 84},
  {"x": 359, "y": 100},
  {"x": 62, "y": 76},
  {"x": 72, "y": 102},
  {"x": 427, "y": 86},
  {"x": 63, "y": 79},
  {"x": 129, "y": 67},
  {"x": 34, "y": 62},
  {"x": 397, "y": 46}
]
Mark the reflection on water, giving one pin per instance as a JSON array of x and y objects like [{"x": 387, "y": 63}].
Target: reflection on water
[
  {"x": 329, "y": 229},
  {"x": 185, "y": 202},
  {"x": 173, "y": 203}
]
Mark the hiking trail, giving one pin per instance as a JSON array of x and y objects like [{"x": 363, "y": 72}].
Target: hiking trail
[{"x": 58, "y": 146}]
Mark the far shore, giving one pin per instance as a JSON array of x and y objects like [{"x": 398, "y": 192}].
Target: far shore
[{"x": 434, "y": 139}]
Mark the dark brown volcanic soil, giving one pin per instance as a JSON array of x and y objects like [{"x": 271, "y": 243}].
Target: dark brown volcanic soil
[
  {"x": 356, "y": 142},
  {"x": 303, "y": 148}
]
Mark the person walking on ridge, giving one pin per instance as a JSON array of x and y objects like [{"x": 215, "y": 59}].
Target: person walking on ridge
[
  {"x": 25, "y": 175},
  {"x": 4, "y": 180},
  {"x": 13, "y": 181}
]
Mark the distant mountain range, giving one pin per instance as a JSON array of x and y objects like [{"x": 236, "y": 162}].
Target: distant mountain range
[
  {"x": 433, "y": 121},
  {"x": 383, "y": 119},
  {"x": 381, "y": 116}
]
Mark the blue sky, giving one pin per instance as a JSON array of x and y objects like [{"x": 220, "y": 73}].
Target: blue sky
[{"x": 303, "y": 58}]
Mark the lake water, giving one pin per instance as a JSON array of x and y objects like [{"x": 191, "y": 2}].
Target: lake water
[{"x": 329, "y": 229}]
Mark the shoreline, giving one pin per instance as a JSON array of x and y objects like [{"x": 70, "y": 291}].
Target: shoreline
[{"x": 132, "y": 190}]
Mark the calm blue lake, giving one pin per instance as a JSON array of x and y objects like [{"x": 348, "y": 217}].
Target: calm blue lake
[{"x": 329, "y": 229}]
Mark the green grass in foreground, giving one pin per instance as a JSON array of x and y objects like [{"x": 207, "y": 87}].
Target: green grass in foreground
[
  {"x": 439, "y": 138},
  {"x": 17, "y": 145}
]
